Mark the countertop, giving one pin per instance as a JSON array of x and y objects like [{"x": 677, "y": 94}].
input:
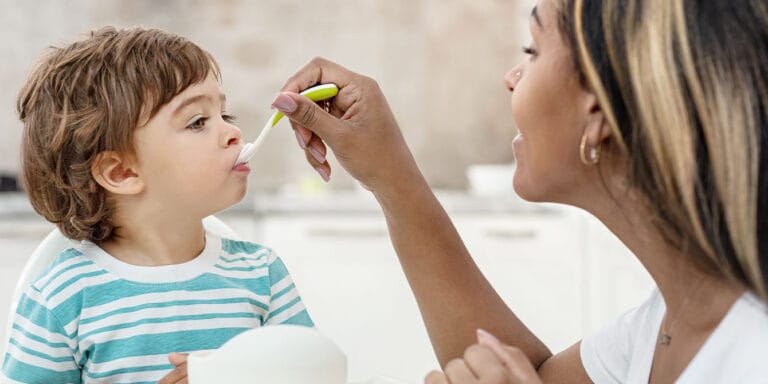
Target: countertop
[{"x": 16, "y": 205}]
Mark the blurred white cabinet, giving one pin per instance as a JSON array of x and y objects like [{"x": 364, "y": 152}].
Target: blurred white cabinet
[
  {"x": 534, "y": 261},
  {"x": 348, "y": 275}
]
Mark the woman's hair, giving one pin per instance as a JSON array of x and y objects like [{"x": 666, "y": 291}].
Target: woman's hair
[
  {"x": 684, "y": 86},
  {"x": 87, "y": 98}
]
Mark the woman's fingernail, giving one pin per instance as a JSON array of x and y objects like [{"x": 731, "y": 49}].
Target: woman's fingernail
[
  {"x": 284, "y": 103},
  {"x": 317, "y": 155},
  {"x": 323, "y": 173},
  {"x": 300, "y": 139},
  {"x": 483, "y": 337}
]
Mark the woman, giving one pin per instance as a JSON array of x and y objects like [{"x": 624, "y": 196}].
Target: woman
[{"x": 651, "y": 115}]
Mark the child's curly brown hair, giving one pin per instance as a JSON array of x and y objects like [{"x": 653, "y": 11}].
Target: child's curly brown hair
[{"x": 87, "y": 98}]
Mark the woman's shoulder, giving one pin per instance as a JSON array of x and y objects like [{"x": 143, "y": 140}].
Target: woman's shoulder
[
  {"x": 748, "y": 318},
  {"x": 736, "y": 350}
]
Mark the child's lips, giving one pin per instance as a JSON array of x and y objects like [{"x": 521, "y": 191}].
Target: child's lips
[{"x": 242, "y": 167}]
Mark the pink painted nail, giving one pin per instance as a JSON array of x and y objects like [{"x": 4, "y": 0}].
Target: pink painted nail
[
  {"x": 323, "y": 173},
  {"x": 483, "y": 337},
  {"x": 284, "y": 103},
  {"x": 300, "y": 139},
  {"x": 317, "y": 155}
]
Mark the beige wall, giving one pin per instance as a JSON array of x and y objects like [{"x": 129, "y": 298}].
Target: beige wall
[{"x": 440, "y": 62}]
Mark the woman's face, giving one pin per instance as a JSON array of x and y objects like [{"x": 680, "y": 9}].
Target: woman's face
[{"x": 550, "y": 109}]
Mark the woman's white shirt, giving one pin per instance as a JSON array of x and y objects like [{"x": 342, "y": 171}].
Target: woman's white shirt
[{"x": 735, "y": 352}]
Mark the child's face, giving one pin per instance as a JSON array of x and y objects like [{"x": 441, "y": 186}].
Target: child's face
[{"x": 187, "y": 151}]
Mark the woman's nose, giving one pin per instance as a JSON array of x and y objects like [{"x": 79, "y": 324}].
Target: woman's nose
[{"x": 513, "y": 77}]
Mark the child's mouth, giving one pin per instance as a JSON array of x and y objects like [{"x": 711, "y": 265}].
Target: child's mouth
[{"x": 242, "y": 167}]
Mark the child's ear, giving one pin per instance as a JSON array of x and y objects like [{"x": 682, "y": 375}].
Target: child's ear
[{"x": 116, "y": 174}]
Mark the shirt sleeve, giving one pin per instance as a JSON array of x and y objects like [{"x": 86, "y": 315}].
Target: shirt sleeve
[
  {"x": 607, "y": 354},
  {"x": 38, "y": 349},
  {"x": 285, "y": 304}
]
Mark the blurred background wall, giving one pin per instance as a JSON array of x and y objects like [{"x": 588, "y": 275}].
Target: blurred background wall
[{"x": 440, "y": 63}]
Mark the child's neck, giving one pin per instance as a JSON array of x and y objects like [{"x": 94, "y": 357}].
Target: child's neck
[{"x": 156, "y": 242}]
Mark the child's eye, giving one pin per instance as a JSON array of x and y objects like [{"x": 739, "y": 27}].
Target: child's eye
[
  {"x": 528, "y": 50},
  {"x": 228, "y": 118},
  {"x": 198, "y": 123}
]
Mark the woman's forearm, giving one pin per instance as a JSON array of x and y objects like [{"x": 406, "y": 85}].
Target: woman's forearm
[{"x": 453, "y": 295}]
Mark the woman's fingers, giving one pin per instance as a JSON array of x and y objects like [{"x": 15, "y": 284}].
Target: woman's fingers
[
  {"x": 318, "y": 71},
  {"x": 515, "y": 361},
  {"x": 489, "y": 362},
  {"x": 436, "y": 377},
  {"x": 359, "y": 128},
  {"x": 317, "y": 149},
  {"x": 486, "y": 366},
  {"x": 458, "y": 372},
  {"x": 322, "y": 169},
  {"x": 303, "y": 136}
]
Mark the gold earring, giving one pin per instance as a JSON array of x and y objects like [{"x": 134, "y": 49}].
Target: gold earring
[{"x": 594, "y": 153}]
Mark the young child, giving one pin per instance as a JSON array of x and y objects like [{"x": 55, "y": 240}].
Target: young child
[{"x": 127, "y": 147}]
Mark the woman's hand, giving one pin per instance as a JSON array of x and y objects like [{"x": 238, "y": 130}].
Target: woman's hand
[
  {"x": 360, "y": 128},
  {"x": 488, "y": 362},
  {"x": 179, "y": 374}
]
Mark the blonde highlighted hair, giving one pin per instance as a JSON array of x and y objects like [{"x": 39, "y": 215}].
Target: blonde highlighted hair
[
  {"x": 684, "y": 86},
  {"x": 87, "y": 98}
]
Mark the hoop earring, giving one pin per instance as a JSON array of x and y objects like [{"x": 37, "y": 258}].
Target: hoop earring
[{"x": 594, "y": 153}]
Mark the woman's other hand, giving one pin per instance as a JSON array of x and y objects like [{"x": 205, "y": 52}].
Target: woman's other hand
[
  {"x": 360, "y": 128},
  {"x": 179, "y": 374},
  {"x": 488, "y": 362}
]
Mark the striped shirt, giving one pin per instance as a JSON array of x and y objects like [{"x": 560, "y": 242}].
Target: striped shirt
[{"x": 90, "y": 318}]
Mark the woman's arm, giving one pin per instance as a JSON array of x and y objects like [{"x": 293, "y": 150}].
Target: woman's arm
[{"x": 454, "y": 297}]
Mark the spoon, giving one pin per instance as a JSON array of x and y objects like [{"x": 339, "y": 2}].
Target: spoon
[{"x": 316, "y": 93}]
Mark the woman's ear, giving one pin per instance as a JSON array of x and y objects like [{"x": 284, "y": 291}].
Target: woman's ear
[
  {"x": 116, "y": 174},
  {"x": 596, "y": 129}
]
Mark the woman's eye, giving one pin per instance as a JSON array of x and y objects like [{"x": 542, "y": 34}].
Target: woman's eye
[
  {"x": 198, "y": 123},
  {"x": 228, "y": 118}
]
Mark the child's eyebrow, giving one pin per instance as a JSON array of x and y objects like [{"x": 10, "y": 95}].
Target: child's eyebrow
[
  {"x": 535, "y": 16},
  {"x": 194, "y": 99}
]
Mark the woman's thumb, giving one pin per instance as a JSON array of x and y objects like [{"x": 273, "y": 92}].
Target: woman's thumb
[{"x": 303, "y": 111}]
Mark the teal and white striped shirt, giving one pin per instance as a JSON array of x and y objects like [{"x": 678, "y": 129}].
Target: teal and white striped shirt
[{"x": 90, "y": 318}]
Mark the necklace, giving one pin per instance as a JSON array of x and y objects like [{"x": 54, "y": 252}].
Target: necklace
[{"x": 665, "y": 337}]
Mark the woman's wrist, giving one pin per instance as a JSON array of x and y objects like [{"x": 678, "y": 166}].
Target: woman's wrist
[{"x": 403, "y": 188}]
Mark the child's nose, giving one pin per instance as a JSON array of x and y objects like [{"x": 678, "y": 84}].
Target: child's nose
[{"x": 233, "y": 135}]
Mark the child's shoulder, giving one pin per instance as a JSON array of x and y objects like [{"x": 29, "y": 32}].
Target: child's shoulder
[
  {"x": 240, "y": 256},
  {"x": 239, "y": 247},
  {"x": 65, "y": 261}
]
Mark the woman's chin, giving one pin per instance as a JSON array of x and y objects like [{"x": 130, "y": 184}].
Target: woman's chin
[{"x": 524, "y": 189}]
